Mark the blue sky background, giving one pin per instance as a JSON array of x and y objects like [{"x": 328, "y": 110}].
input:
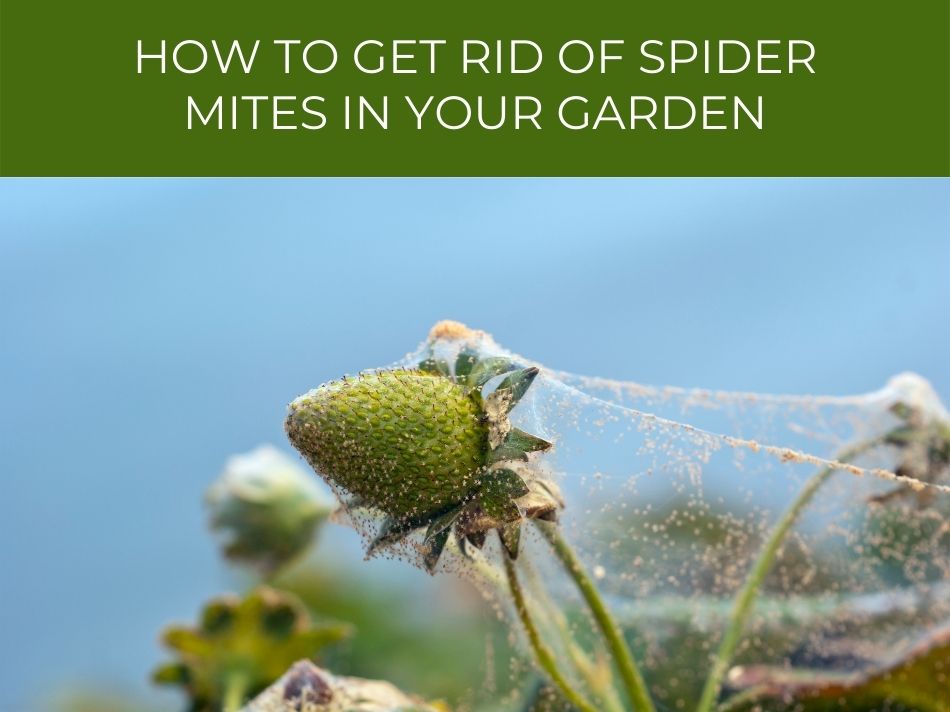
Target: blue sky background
[{"x": 150, "y": 328}]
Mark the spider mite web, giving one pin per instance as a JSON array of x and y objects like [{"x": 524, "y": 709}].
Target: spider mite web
[{"x": 669, "y": 494}]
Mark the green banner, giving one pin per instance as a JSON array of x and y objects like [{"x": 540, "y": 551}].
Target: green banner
[{"x": 494, "y": 88}]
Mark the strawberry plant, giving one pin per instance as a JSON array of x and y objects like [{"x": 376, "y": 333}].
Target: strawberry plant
[{"x": 646, "y": 563}]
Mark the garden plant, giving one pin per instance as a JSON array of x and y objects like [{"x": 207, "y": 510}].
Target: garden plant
[{"x": 651, "y": 549}]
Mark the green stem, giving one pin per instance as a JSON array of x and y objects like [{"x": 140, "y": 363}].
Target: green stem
[
  {"x": 541, "y": 652},
  {"x": 741, "y": 700},
  {"x": 745, "y": 601},
  {"x": 629, "y": 673},
  {"x": 599, "y": 683},
  {"x": 543, "y": 605},
  {"x": 235, "y": 689},
  {"x": 597, "y": 676}
]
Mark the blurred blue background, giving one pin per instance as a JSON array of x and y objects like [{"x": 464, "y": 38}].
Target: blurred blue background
[{"x": 151, "y": 328}]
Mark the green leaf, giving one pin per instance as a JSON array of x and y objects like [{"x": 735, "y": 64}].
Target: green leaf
[{"x": 917, "y": 680}]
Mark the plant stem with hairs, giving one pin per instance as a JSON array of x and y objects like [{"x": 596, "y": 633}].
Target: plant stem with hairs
[
  {"x": 745, "y": 601},
  {"x": 536, "y": 598},
  {"x": 542, "y": 653},
  {"x": 597, "y": 675},
  {"x": 613, "y": 637}
]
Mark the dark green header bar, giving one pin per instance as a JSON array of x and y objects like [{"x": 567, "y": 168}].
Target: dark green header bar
[{"x": 495, "y": 88}]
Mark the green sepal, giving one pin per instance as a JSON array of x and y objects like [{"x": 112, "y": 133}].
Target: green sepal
[
  {"x": 219, "y": 615},
  {"x": 510, "y": 537},
  {"x": 487, "y": 369},
  {"x": 462, "y": 543},
  {"x": 391, "y": 532},
  {"x": 500, "y": 509},
  {"x": 478, "y": 399},
  {"x": 467, "y": 358},
  {"x": 517, "y": 444},
  {"x": 476, "y": 539},
  {"x": 504, "y": 481},
  {"x": 515, "y": 385},
  {"x": 443, "y": 522},
  {"x": 901, "y": 410},
  {"x": 437, "y": 366},
  {"x": 187, "y": 641},
  {"x": 171, "y": 674},
  {"x": 278, "y": 619},
  {"x": 903, "y": 435},
  {"x": 434, "y": 550},
  {"x": 325, "y": 635},
  {"x": 499, "y": 490}
]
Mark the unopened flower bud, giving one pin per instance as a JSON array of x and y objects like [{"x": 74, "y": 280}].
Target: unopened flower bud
[
  {"x": 267, "y": 507},
  {"x": 922, "y": 438}
]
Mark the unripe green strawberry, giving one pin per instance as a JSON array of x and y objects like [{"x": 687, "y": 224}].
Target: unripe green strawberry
[
  {"x": 409, "y": 442},
  {"x": 426, "y": 449}
]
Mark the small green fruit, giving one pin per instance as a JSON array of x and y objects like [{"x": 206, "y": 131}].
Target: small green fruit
[
  {"x": 410, "y": 442},
  {"x": 426, "y": 448}
]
